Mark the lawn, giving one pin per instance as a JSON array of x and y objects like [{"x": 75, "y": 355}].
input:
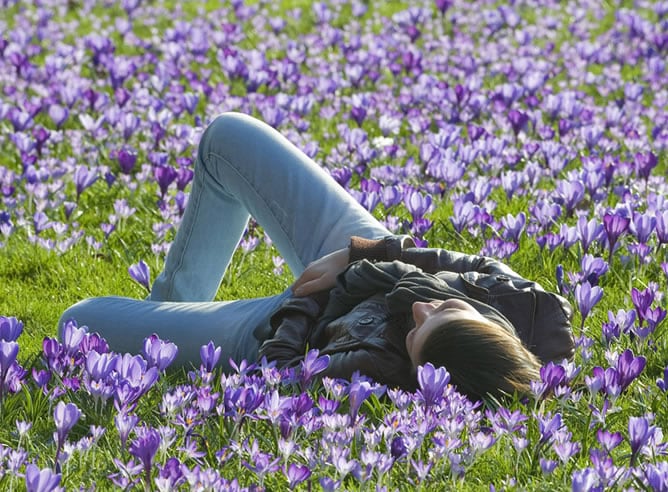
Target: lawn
[{"x": 530, "y": 131}]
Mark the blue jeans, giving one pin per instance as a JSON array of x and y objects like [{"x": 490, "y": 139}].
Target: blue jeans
[{"x": 244, "y": 168}]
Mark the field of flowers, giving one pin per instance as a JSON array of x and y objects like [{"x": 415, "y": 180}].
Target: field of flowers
[{"x": 534, "y": 131}]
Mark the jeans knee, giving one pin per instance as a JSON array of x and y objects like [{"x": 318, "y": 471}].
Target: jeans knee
[
  {"x": 226, "y": 130},
  {"x": 76, "y": 313},
  {"x": 231, "y": 137}
]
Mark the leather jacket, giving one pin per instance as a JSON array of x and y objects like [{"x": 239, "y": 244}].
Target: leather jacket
[{"x": 353, "y": 325}]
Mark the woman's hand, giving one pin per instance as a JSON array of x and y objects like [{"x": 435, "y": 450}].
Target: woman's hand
[{"x": 321, "y": 273}]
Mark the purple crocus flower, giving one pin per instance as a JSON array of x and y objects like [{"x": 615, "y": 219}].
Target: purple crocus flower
[
  {"x": 547, "y": 466},
  {"x": 475, "y": 132},
  {"x": 41, "y": 378},
  {"x": 593, "y": 268},
  {"x": 41, "y": 135},
  {"x": 10, "y": 328},
  {"x": 124, "y": 424},
  {"x": 614, "y": 226},
  {"x": 135, "y": 379},
  {"x": 171, "y": 475},
  {"x": 144, "y": 448},
  {"x": 398, "y": 448},
  {"x": 548, "y": 425},
  {"x": 443, "y": 5},
  {"x": 126, "y": 160},
  {"x": 609, "y": 440},
  {"x": 629, "y": 367},
  {"x": 565, "y": 450},
  {"x": 419, "y": 227},
  {"x": 122, "y": 96},
  {"x": 432, "y": 382},
  {"x": 190, "y": 102},
  {"x": 99, "y": 366},
  {"x": 587, "y": 297},
  {"x": 8, "y": 353},
  {"x": 358, "y": 114},
  {"x": 93, "y": 341},
  {"x": 184, "y": 176},
  {"x": 640, "y": 432},
  {"x": 662, "y": 383},
  {"x": 661, "y": 225},
  {"x": 41, "y": 480},
  {"x": 52, "y": 350},
  {"x": 20, "y": 120},
  {"x": 585, "y": 481},
  {"x": 296, "y": 474},
  {"x": 358, "y": 391},
  {"x": 141, "y": 273},
  {"x": 69, "y": 208},
  {"x": 261, "y": 463},
  {"x": 606, "y": 380},
  {"x": 642, "y": 301},
  {"x": 41, "y": 222},
  {"x": 390, "y": 196},
  {"x": 312, "y": 365},
  {"x": 514, "y": 225},
  {"x": 164, "y": 175},
  {"x": 342, "y": 175},
  {"x": 72, "y": 336},
  {"x": 642, "y": 226},
  {"x": 569, "y": 194},
  {"x": 129, "y": 123},
  {"x": 83, "y": 178},
  {"x": 422, "y": 468},
  {"x": 644, "y": 163},
  {"x": 159, "y": 353},
  {"x": 551, "y": 376},
  {"x": 58, "y": 114},
  {"x": 518, "y": 120},
  {"x": 656, "y": 476},
  {"x": 209, "y": 354},
  {"x": 417, "y": 203},
  {"x": 559, "y": 276},
  {"x": 66, "y": 415},
  {"x": 618, "y": 324}
]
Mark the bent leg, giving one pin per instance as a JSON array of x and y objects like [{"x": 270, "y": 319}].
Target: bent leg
[
  {"x": 125, "y": 323},
  {"x": 245, "y": 167}
]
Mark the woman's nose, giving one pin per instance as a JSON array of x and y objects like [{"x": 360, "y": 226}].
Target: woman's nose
[{"x": 421, "y": 310}]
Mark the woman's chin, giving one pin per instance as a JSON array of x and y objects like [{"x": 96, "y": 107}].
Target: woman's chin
[{"x": 409, "y": 338}]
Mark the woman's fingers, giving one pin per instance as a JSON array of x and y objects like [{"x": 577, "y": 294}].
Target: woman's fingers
[
  {"x": 321, "y": 274},
  {"x": 306, "y": 276},
  {"x": 315, "y": 285}
]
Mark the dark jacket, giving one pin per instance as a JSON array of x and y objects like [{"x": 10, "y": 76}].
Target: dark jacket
[{"x": 355, "y": 325}]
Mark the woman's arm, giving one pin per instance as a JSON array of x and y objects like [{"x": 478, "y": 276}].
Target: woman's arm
[
  {"x": 321, "y": 274},
  {"x": 430, "y": 260},
  {"x": 384, "y": 368},
  {"x": 291, "y": 327}
]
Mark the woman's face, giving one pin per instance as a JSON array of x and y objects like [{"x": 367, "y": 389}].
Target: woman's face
[{"x": 429, "y": 316}]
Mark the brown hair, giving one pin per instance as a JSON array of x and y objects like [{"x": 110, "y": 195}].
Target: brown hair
[{"x": 482, "y": 358}]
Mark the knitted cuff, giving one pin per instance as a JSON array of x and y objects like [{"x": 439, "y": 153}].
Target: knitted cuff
[
  {"x": 367, "y": 249},
  {"x": 386, "y": 249}
]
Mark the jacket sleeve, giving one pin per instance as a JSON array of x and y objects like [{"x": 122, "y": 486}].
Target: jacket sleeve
[
  {"x": 430, "y": 260},
  {"x": 291, "y": 326},
  {"x": 344, "y": 364},
  {"x": 383, "y": 368}
]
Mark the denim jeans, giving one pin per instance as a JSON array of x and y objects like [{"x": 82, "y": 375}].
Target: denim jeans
[{"x": 244, "y": 168}]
